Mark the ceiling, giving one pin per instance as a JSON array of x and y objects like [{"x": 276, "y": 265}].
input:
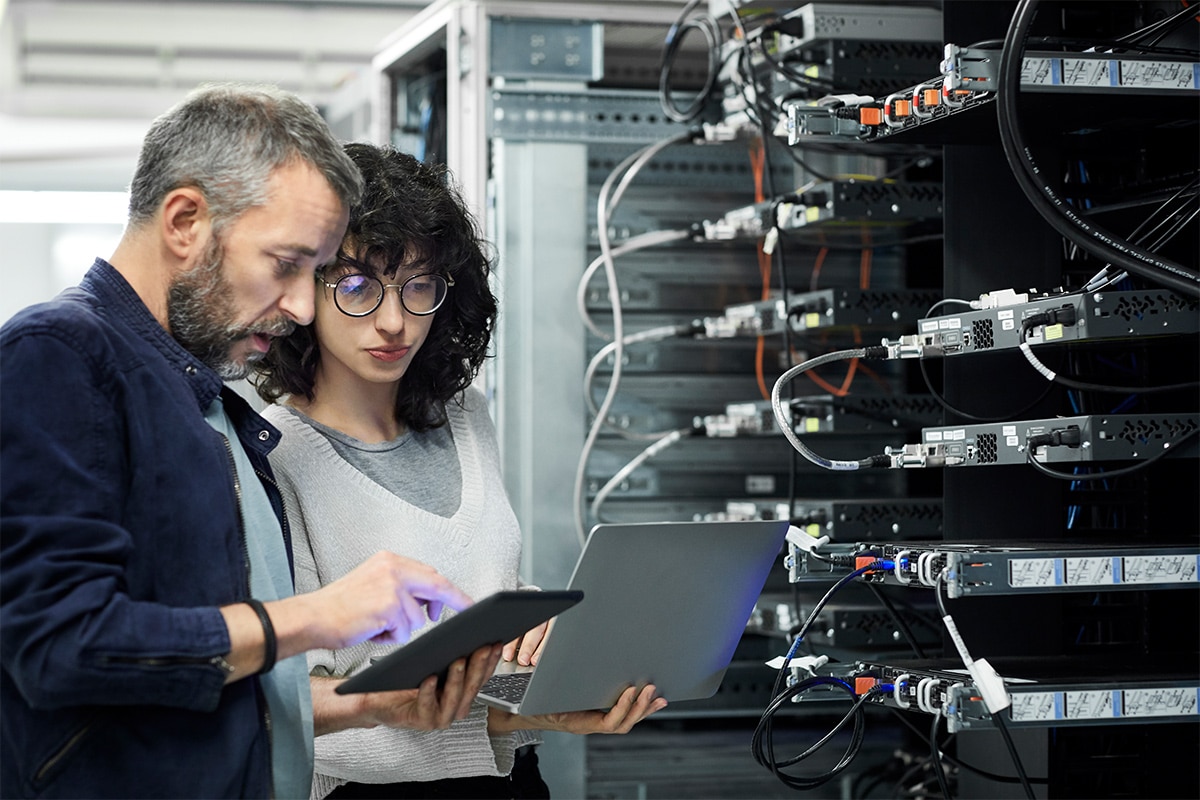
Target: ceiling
[{"x": 80, "y": 80}]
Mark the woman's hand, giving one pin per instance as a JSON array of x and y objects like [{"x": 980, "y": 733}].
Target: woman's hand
[
  {"x": 630, "y": 709},
  {"x": 430, "y": 708},
  {"x": 527, "y": 649},
  {"x": 425, "y": 708}
]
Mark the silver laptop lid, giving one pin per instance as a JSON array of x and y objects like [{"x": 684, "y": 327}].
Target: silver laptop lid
[{"x": 666, "y": 603}]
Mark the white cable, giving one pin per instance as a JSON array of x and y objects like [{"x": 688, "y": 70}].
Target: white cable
[
  {"x": 589, "y": 375},
  {"x": 783, "y": 416},
  {"x": 604, "y": 210},
  {"x": 641, "y": 458},
  {"x": 639, "y": 242}
]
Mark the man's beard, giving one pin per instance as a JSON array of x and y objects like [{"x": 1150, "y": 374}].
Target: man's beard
[{"x": 201, "y": 312}]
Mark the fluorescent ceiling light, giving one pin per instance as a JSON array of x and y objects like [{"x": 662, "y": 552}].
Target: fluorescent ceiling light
[{"x": 64, "y": 207}]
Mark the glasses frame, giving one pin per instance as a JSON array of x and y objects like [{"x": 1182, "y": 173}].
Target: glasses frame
[{"x": 364, "y": 271}]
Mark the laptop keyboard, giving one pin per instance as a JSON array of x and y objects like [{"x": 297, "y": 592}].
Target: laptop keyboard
[{"x": 510, "y": 688}]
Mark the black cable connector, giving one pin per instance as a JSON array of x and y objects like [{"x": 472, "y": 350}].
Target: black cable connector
[
  {"x": 1063, "y": 437},
  {"x": 1064, "y": 315}
]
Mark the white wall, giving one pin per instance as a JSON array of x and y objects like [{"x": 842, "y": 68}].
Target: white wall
[{"x": 41, "y": 259}]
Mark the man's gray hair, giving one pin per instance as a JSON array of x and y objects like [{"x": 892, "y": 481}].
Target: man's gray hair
[{"x": 226, "y": 140}]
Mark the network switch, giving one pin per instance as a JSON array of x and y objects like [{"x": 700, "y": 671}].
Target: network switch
[
  {"x": 1062, "y": 319},
  {"x": 847, "y": 520},
  {"x": 818, "y": 414},
  {"x": 1061, "y": 440}
]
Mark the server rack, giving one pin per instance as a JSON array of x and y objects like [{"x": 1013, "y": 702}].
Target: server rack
[{"x": 531, "y": 149}]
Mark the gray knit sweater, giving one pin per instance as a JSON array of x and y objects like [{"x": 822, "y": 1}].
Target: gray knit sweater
[{"x": 338, "y": 518}]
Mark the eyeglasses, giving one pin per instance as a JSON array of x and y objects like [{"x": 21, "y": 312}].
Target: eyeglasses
[{"x": 357, "y": 295}]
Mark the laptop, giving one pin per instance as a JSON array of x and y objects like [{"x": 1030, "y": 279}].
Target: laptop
[{"x": 667, "y": 603}]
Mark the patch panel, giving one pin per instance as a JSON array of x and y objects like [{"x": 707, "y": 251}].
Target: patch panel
[
  {"x": 968, "y": 81},
  {"x": 977, "y": 69},
  {"x": 1045, "y": 692},
  {"x": 973, "y": 569}
]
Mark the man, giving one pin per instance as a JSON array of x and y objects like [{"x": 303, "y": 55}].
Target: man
[{"x": 146, "y": 608}]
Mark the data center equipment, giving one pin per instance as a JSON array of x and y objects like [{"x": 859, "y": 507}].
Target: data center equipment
[
  {"x": 826, "y": 414},
  {"x": 1061, "y": 440},
  {"x": 853, "y": 208},
  {"x": 1044, "y": 693},
  {"x": 969, "y": 80},
  {"x": 1035, "y": 567},
  {"x": 821, "y": 309},
  {"x": 847, "y": 520},
  {"x": 730, "y": 189},
  {"x": 1007, "y": 320}
]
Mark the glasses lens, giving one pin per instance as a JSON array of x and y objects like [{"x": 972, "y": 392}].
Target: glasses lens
[
  {"x": 357, "y": 294},
  {"x": 423, "y": 294}
]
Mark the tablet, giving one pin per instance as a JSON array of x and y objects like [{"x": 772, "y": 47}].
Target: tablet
[{"x": 500, "y": 617}]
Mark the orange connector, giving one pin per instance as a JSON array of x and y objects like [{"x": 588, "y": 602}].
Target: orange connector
[
  {"x": 932, "y": 97},
  {"x": 903, "y": 108},
  {"x": 870, "y": 115},
  {"x": 864, "y": 685},
  {"x": 864, "y": 561}
]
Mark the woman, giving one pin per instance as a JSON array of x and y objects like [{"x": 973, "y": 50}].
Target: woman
[{"x": 387, "y": 445}]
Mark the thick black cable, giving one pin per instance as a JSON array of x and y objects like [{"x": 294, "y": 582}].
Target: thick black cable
[
  {"x": 1106, "y": 474},
  {"x": 763, "y": 748},
  {"x": 1085, "y": 386},
  {"x": 1087, "y": 235},
  {"x": 674, "y": 39},
  {"x": 1162, "y": 27},
  {"x": 935, "y": 758},
  {"x": 1002, "y": 726},
  {"x": 974, "y": 417},
  {"x": 957, "y": 761}
]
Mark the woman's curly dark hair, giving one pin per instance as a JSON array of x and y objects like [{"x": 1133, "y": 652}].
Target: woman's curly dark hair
[{"x": 410, "y": 214}]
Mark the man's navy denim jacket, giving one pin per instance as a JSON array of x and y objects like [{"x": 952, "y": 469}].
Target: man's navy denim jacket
[{"x": 121, "y": 537}]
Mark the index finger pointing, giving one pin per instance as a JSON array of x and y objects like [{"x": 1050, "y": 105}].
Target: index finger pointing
[{"x": 438, "y": 591}]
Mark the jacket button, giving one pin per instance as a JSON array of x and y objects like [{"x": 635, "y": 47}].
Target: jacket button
[
  {"x": 190, "y": 369},
  {"x": 263, "y": 436}
]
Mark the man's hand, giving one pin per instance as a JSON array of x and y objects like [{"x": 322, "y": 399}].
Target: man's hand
[
  {"x": 384, "y": 599},
  {"x": 632, "y": 707}
]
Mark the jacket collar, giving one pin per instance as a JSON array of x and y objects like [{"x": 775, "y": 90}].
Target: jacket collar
[{"x": 119, "y": 298}]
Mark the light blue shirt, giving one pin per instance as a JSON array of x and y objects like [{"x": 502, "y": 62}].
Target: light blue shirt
[{"x": 289, "y": 699}]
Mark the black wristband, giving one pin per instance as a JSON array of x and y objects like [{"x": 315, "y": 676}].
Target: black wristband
[{"x": 270, "y": 645}]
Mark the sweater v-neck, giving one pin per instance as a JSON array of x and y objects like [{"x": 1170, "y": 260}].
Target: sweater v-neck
[{"x": 465, "y": 450}]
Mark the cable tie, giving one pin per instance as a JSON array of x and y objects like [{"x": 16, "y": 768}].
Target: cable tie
[
  {"x": 804, "y": 540},
  {"x": 1038, "y": 365},
  {"x": 991, "y": 686}
]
